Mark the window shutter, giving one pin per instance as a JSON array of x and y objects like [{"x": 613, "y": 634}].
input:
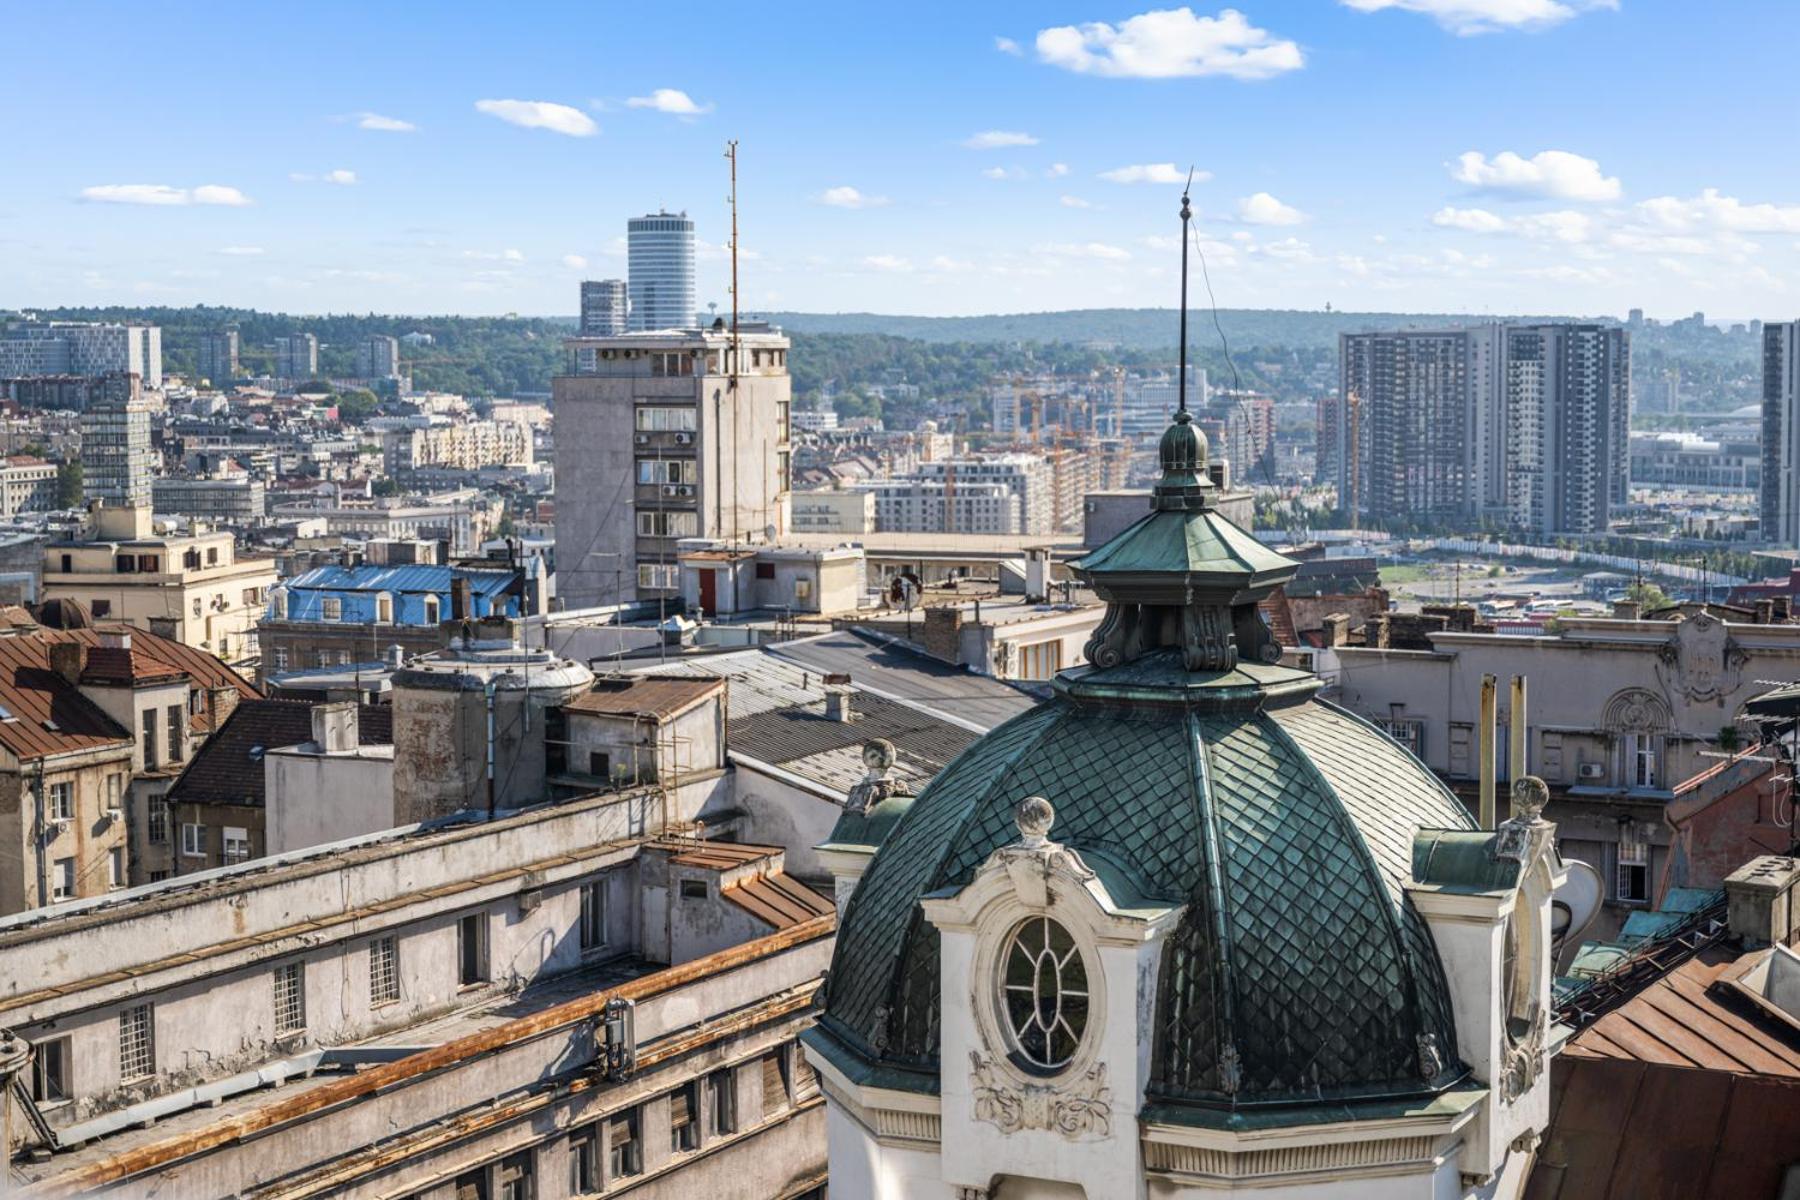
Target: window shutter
[
  {"x": 774, "y": 1086},
  {"x": 681, "y": 1107}
]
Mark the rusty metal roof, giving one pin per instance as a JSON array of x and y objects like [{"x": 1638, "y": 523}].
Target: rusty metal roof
[
  {"x": 44, "y": 713},
  {"x": 777, "y": 900},
  {"x": 715, "y": 856},
  {"x": 659, "y": 696}
]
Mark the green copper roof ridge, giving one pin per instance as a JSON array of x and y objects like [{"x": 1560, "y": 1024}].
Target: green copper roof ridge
[
  {"x": 1359, "y": 719},
  {"x": 1215, "y": 893},
  {"x": 1340, "y": 815}
]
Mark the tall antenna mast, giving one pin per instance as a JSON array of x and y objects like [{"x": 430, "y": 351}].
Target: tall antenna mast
[
  {"x": 1187, "y": 214},
  {"x": 736, "y": 348}
]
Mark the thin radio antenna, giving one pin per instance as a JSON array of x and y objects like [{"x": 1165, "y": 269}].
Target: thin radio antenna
[{"x": 1187, "y": 214}]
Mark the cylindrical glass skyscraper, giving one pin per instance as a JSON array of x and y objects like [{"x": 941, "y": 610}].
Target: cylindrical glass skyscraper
[{"x": 661, "y": 248}]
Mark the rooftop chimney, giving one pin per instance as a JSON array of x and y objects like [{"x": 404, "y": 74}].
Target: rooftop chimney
[
  {"x": 837, "y": 699},
  {"x": 462, "y": 601},
  {"x": 334, "y": 729},
  {"x": 1625, "y": 610},
  {"x": 1760, "y": 901},
  {"x": 65, "y": 660}
]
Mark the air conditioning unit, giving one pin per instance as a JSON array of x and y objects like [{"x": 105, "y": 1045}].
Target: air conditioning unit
[
  {"x": 684, "y": 439},
  {"x": 669, "y": 490},
  {"x": 643, "y": 439},
  {"x": 1592, "y": 771},
  {"x": 112, "y": 816},
  {"x": 686, "y": 489},
  {"x": 57, "y": 827}
]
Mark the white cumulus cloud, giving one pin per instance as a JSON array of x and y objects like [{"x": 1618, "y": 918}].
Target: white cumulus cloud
[
  {"x": 669, "y": 100},
  {"x": 1075, "y": 202},
  {"x": 1100, "y": 250},
  {"x": 994, "y": 139},
  {"x": 1169, "y": 44},
  {"x": 1467, "y": 17},
  {"x": 381, "y": 124},
  {"x": 1712, "y": 209},
  {"x": 846, "y": 196},
  {"x": 1056, "y": 170},
  {"x": 1473, "y": 220},
  {"x": 1006, "y": 45},
  {"x": 1554, "y": 173},
  {"x": 540, "y": 114},
  {"x": 1567, "y": 225},
  {"x": 1264, "y": 209},
  {"x": 1003, "y": 172},
  {"x": 887, "y": 262},
  {"x": 1152, "y": 173},
  {"x": 575, "y": 262},
  {"x": 341, "y": 176},
  {"x": 162, "y": 195}
]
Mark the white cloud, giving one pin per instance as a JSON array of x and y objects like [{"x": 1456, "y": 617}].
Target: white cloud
[
  {"x": 1554, "y": 173},
  {"x": 848, "y": 197},
  {"x": 1075, "y": 202},
  {"x": 540, "y": 114},
  {"x": 341, "y": 176},
  {"x": 1056, "y": 170},
  {"x": 1098, "y": 250},
  {"x": 1713, "y": 210},
  {"x": 1003, "y": 173},
  {"x": 1289, "y": 250},
  {"x": 1152, "y": 173},
  {"x": 164, "y": 196},
  {"x": 944, "y": 262},
  {"x": 381, "y": 124},
  {"x": 1467, "y": 17},
  {"x": 1473, "y": 220},
  {"x": 1169, "y": 44},
  {"x": 1006, "y": 45},
  {"x": 241, "y": 251},
  {"x": 887, "y": 262},
  {"x": 671, "y": 101},
  {"x": 574, "y": 262},
  {"x": 995, "y": 139},
  {"x": 513, "y": 256},
  {"x": 1264, "y": 209}
]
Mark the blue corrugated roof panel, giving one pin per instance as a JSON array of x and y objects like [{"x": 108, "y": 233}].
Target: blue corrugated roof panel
[{"x": 411, "y": 589}]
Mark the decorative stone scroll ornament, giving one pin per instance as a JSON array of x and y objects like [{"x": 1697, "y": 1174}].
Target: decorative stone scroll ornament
[
  {"x": 877, "y": 784},
  {"x": 1702, "y": 661},
  {"x": 1076, "y": 1108},
  {"x": 1523, "y": 1063},
  {"x": 1526, "y": 839}
]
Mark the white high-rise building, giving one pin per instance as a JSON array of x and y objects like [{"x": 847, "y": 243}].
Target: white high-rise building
[
  {"x": 1781, "y": 433},
  {"x": 604, "y": 305},
  {"x": 116, "y": 458},
  {"x": 1568, "y": 451},
  {"x": 33, "y": 347},
  {"x": 660, "y": 246}
]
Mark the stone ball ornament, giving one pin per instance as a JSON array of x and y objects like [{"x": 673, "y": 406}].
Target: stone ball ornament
[{"x": 1034, "y": 816}]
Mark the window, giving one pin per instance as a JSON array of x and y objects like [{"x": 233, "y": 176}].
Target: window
[
  {"x": 174, "y": 716},
  {"x": 61, "y": 801},
  {"x": 331, "y": 608},
  {"x": 593, "y": 915},
  {"x": 62, "y": 879},
  {"x": 803, "y": 590},
  {"x": 384, "y": 609},
  {"x": 193, "y": 840},
  {"x": 196, "y": 606},
  {"x": 680, "y": 363},
  {"x": 667, "y": 470},
  {"x": 660, "y": 420},
  {"x": 658, "y": 575},
  {"x": 1044, "y": 994},
  {"x": 472, "y": 1185},
  {"x": 322, "y": 657},
  {"x": 1040, "y": 660},
  {"x": 159, "y": 820},
  {"x": 1409, "y": 732},
  {"x": 600, "y": 764},
  {"x": 432, "y": 605},
  {"x": 722, "y": 1090},
  {"x": 236, "y": 845},
  {"x": 147, "y": 721},
  {"x": 115, "y": 868},
  {"x": 384, "y": 971},
  {"x": 158, "y": 876},
  {"x": 102, "y": 609},
  {"x": 765, "y": 570},
  {"x": 513, "y": 1177},
  {"x": 584, "y": 1161},
  {"x": 684, "y": 1118},
  {"x": 290, "y": 997},
  {"x": 624, "y": 1147},
  {"x": 668, "y": 524},
  {"x": 137, "y": 1042},
  {"x": 471, "y": 949},
  {"x": 693, "y": 889},
  {"x": 68, "y": 564},
  {"x": 212, "y": 556},
  {"x": 1632, "y": 878},
  {"x": 149, "y": 564},
  {"x": 281, "y": 658},
  {"x": 50, "y": 1071},
  {"x": 125, "y": 564},
  {"x": 115, "y": 792},
  {"x": 774, "y": 1082}
]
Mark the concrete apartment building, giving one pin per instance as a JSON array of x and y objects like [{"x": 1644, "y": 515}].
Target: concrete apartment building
[
  {"x": 240, "y": 501},
  {"x": 1619, "y": 714},
  {"x": 1781, "y": 433},
  {"x": 1689, "y": 462},
  {"x": 189, "y": 587},
  {"x": 216, "y": 357},
  {"x": 32, "y": 347},
  {"x": 605, "y": 306},
  {"x": 296, "y": 357},
  {"x": 1525, "y": 424},
  {"x": 27, "y": 484},
  {"x": 660, "y": 437},
  {"x": 557, "y": 1003},
  {"x": 117, "y": 461},
  {"x": 832, "y": 510},
  {"x": 457, "y": 445},
  {"x": 378, "y": 357},
  {"x": 995, "y": 494}
]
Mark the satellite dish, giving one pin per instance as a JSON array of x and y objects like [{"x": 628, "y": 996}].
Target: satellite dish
[
  {"x": 770, "y": 533},
  {"x": 1575, "y": 904}
]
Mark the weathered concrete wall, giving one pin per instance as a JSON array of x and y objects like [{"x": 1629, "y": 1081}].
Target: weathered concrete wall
[
  {"x": 310, "y": 799},
  {"x": 784, "y": 811}
]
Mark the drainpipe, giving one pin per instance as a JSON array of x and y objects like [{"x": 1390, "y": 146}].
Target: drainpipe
[
  {"x": 41, "y": 841},
  {"x": 1490, "y": 689},
  {"x": 1516, "y": 739},
  {"x": 489, "y": 689}
]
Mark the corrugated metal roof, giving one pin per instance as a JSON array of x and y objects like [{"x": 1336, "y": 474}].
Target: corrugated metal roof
[
  {"x": 639, "y": 695},
  {"x": 44, "y": 713},
  {"x": 410, "y": 577},
  {"x": 777, "y": 900}
]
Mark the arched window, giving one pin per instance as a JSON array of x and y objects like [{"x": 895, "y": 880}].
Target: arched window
[{"x": 1043, "y": 995}]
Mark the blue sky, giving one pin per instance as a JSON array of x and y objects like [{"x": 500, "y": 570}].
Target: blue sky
[{"x": 1576, "y": 156}]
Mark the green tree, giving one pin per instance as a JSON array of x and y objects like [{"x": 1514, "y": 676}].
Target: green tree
[
  {"x": 356, "y": 406},
  {"x": 69, "y": 489},
  {"x": 1648, "y": 595},
  {"x": 385, "y": 487}
]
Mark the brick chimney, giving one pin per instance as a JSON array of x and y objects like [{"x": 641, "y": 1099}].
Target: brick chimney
[
  {"x": 1760, "y": 899},
  {"x": 462, "y": 599},
  {"x": 1626, "y": 610},
  {"x": 837, "y": 699},
  {"x": 66, "y": 659},
  {"x": 1337, "y": 629}
]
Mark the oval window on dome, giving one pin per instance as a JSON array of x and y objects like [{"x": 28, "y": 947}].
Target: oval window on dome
[{"x": 1043, "y": 994}]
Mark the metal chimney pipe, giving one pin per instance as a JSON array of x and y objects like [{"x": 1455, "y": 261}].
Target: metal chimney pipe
[
  {"x": 1517, "y": 740},
  {"x": 1490, "y": 695}
]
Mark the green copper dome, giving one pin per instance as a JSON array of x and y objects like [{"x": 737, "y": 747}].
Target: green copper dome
[{"x": 1187, "y": 768}]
